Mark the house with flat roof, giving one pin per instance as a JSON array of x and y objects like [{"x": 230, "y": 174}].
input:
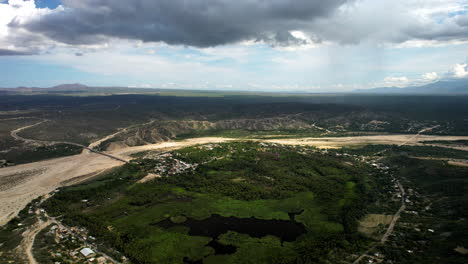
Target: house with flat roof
[{"x": 87, "y": 252}]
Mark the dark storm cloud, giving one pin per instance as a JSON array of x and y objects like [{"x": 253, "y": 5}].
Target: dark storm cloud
[
  {"x": 200, "y": 23},
  {"x": 6, "y": 52}
]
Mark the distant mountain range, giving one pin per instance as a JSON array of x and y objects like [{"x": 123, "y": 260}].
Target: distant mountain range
[
  {"x": 450, "y": 86},
  {"x": 61, "y": 88},
  {"x": 75, "y": 88}
]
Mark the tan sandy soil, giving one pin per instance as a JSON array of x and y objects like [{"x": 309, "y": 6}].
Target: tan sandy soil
[
  {"x": 459, "y": 147},
  {"x": 149, "y": 177},
  {"x": 337, "y": 142},
  {"x": 461, "y": 250},
  {"x": 98, "y": 142},
  {"x": 116, "y": 146},
  {"x": 44, "y": 177},
  {"x": 458, "y": 163},
  {"x": 27, "y": 243},
  {"x": 455, "y": 162},
  {"x": 170, "y": 145}
]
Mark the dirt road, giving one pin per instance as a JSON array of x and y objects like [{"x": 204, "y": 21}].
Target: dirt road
[
  {"x": 14, "y": 134},
  {"x": 396, "y": 216},
  {"x": 27, "y": 243},
  {"x": 86, "y": 149},
  {"x": 390, "y": 228},
  {"x": 30, "y": 241}
]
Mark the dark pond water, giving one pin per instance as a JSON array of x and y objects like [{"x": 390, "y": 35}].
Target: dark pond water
[
  {"x": 220, "y": 249},
  {"x": 189, "y": 261},
  {"x": 286, "y": 230}
]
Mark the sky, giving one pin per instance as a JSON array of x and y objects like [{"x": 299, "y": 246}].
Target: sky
[{"x": 256, "y": 45}]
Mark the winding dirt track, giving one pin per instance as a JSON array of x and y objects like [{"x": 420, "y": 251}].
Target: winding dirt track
[
  {"x": 45, "y": 176},
  {"x": 28, "y": 240},
  {"x": 14, "y": 134}
]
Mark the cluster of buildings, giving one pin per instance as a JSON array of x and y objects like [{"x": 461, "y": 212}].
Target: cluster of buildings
[
  {"x": 74, "y": 248},
  {"x": 167, "y": 164}
]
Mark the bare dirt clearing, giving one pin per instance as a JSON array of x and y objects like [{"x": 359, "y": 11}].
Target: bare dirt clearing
[
  {"x": 149, "y": 177},
  {"x": 371, "y": 224}
]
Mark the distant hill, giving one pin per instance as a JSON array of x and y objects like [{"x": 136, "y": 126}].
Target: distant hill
[
  {"x": 62, "y": 87},
  {"x": 76, "y": 88},
  {"x": 451, "y": 86},
  {"x": 69, "y": 87}
]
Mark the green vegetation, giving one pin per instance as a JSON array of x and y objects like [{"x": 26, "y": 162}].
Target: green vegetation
[
  {"x": 240, "y": 179},
  {"x": 11, "y": 235},
  {"x": 328, "y": 192},
  {"x": 40, "y": 153},
  {"x": 6, "y": 126}
]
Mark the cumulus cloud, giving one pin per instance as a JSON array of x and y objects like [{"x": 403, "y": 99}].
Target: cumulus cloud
[
  {"x": 20, "y": 41},
  {"x": 460, "y": 70},
  {"x": 395, "y": 22},
  {"x": 430, "y": 76}
]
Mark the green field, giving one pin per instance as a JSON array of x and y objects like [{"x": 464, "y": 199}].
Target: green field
[{"x": 242, "y": 180}]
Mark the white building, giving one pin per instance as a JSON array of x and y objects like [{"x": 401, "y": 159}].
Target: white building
[{"x": 86, "y": 252}]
